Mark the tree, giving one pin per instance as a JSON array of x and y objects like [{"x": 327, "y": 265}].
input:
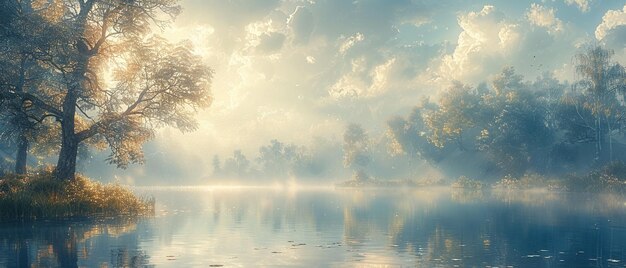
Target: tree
[
  {"x": 602, "y": 80},
  {"x": 22, "y": 76},
  {"x": 154, "y": 83},
  {"x": 278, "y": 159},
  {"x": 237, "y": 165},
  {"x": 517, "y": 135},
  {"x": 217, "y": 166},
  {"x": 411, "y": 136},
  {"x": 458, "y": 111},
  {"x": 356, "y": 148}
]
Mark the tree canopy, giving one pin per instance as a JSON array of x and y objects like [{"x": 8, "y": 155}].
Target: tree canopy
[{"x": 96, "y": 67}]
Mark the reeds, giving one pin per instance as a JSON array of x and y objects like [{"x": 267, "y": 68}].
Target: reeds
[{"x": 42, "y": 196}]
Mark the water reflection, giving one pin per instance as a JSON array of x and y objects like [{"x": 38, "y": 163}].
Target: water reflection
[
  {"x": 85, "y": 243},
  {"x": 396, "y": 227}
]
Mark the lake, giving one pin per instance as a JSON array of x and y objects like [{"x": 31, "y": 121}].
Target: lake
[{"x": 327, "y": 227}]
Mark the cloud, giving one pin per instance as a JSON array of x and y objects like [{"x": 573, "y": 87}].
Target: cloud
[
  {"x": 302, "y": 24},
  {"x": 583, "y": 5},
  {"x": 490, "y": 41},
  {"x": 270, "y": 42},
  {"x": 541, "y": 16},
  {"x": 351, "y": 41},
  {"x": 295, "y": 69},
  {"x": 484, "y": 37},
  {"x": 612, "y": 19},
  {"x": 226, "y": 14}
]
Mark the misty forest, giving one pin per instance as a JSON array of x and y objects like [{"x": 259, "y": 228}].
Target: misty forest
[{"x": 143, "y": 133}]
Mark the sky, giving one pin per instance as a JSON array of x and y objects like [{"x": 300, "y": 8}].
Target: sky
[{"x": 294, "y": 70}]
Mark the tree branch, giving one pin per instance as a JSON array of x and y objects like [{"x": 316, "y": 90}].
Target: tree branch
[{"x": 35, "y": 100}]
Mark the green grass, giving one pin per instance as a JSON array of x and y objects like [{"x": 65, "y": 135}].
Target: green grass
[{"x": 39, "y": 196}]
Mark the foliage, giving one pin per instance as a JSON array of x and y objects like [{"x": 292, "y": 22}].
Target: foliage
[
  {"x": 411, "y": 136},
  {"x": 609, "y": 178},
  {"x": 521, "y": 127},
  {"x": 467, "y": 183},
  {"x": 603, "y": 86},
  {"x": 356, "y": 147},
  {"x": 42, "y": 196},
  {"x": 96, "y": 68},
  {"x": 526, "y": 182},
  {"x": 456, "y": 113},
  {"x": 23, "y": 124},
  {"x": 279, "y": 159}
]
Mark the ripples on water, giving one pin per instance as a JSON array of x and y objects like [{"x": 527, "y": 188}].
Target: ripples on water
[{"x": 243, "y": 227}]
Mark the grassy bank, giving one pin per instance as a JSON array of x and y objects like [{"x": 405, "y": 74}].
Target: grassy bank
[
  {"x": 610, "y": 178},
  {"x": 41, "y": 196}
]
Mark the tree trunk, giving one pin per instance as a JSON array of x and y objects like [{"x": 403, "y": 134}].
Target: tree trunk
[
  {"x": 66, "y": 165},
  {"x": 21, "y": 155}
]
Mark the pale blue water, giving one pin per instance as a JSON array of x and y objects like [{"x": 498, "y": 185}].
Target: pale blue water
[{"x": 255, "y": 227}]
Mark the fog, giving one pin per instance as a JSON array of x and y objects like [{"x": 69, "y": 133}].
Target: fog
[
  {"x": 292, "y": 76},
  {"x": 332, "y": 133}
]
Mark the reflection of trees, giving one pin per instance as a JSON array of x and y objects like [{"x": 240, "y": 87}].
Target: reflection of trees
[
  {"x": 463, "y": 195},
  {"x": 504, "y": 232},
  {"x": 486, "y": 228},
  {"x": 537, "y": 198},
  {"x": 417, "y": 227},
  {"x": 71, "y": 244}
]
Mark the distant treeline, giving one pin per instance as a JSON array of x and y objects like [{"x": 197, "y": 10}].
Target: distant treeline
[
  {"x": 506, "y": 126},
  {"x": 511, "y": 127}
]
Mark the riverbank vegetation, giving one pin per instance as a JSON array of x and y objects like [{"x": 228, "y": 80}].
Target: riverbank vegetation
[
  {"x": 81, "y": 75},
  {"x": 40, "y": 195},
  {"x": 508, "y": 131},
  {"x": 610, "y": 178}
]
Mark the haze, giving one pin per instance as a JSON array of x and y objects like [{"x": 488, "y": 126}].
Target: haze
[{"x": 300, "y": 71}]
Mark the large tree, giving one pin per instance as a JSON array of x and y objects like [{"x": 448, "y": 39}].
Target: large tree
[
  {"x": 458, "y": 111},
  {"x": 25, "y": 35},
  {"x": 120, "y": 82},
  {"x": 603, "y": 84}
]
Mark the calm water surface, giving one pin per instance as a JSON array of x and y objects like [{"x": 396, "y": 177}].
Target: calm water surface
[{"x": 244, "y": 227}]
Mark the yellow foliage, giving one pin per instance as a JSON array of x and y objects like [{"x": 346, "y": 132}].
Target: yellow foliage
[{"x": 41, "y": 195}]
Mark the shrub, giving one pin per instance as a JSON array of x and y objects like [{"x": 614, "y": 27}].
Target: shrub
[
  {"x": 609, "y": 178},
  {"x": 467, "y": 183}
]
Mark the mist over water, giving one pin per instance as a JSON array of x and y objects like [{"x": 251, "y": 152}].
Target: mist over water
[
  {"x": 378, "y": 133},
  {"x": 253, "y": 226}
]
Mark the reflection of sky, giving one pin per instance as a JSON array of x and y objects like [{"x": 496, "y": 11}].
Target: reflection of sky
[
  {"x": 241, "y": 227},
  {"x": 293, "y": 70}
]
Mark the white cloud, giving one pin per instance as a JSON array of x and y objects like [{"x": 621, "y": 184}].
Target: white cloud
[
  {"x": 611, "y": 20},
  {"x": 490, "y": 41},
  {"x": 583, "y": 5},
  {"x": 484, "y": 35},
  {"x": 351, "y": 41},
  {"x": 509, "y": 35},
  {"x": 381, "y": 76},
  {"x": 287, "y": 67},
  {"x": 544, "y": 17}
]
